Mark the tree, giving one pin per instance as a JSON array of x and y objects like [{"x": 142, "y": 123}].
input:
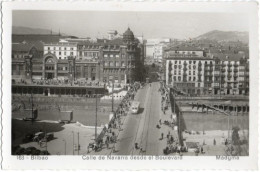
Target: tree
[{"x": 235, "y": 135}]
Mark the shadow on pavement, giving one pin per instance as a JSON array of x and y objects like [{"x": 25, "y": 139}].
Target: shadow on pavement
[{"x": 22, "y": 128}]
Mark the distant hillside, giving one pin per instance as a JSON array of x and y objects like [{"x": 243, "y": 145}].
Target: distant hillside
[
  {"x": 225, "y": 36},
  {"x": 27, "y": 30}
]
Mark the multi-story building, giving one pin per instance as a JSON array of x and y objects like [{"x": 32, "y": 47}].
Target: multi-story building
[
  {"x": 119, "y": 60},
  {"x": 61, "y": 50},
  {"x": 112, "y": 34},
  {"x": 193, "y": 73},
  {"x": 154, "y": 48}
]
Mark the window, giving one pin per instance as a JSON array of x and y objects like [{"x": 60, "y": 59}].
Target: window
[
  {"x": 198, "y": 84},
  {"x": 65, "y": 48},
  {"x": 71, "y": 53},
  {"x": 179, "y": 72},
  {"x": 123, "y": 64},
  {"x": 194, "y": 78},
  {"x": 179, "y": 62},
  {"x": 59, "y": 48},
  {"x": 176, "y": 62},
  {"x": 71, "y": 48},
  {"x": 59, "y": 57},
  {"x": 179, "y": 66},
  {"x": 111, "y": 63},
  {"x": 189, "y": 72},
  {"x": 175, "y": 66},
  {"x": 189, "y": 78},
  {"x": 117, "y": 56},
  {"x": 106, "y": 63},
  {"x": 49, "y": 48},
  {"x": 111, "y": 55},
  {"x": 54, "y": 48},
  {"x": 174, "y": 78},
  {"x": 190, "y": 62},
  {"x": 179, "y": 78},
  {"x": 65, "y": 53},
  {"x": 59, "y": 53},
  {"x": 117, "y": 64},
  {"x": 193, "y": 72},
  {"x": 175, "y": 73}
]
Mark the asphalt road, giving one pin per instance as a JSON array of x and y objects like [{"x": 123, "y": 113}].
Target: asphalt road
[{"x": 141, "y": 128}]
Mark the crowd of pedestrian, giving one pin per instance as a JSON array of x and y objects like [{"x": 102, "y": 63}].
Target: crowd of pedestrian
[
  {"x": 115, "y": 124},
  {"x": 62, "y": 82},
  {"x": 165, "y": 97}
]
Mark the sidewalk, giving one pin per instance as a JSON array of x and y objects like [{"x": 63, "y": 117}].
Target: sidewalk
[
  {"x": 166, "y": 129},
  {"x": 112, "y": 146}
]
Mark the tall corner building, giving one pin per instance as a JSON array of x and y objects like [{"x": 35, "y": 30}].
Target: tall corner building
[{"x": 192, "y": 72}]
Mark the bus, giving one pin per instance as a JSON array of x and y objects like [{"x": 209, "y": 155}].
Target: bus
[{"x": 135, "y": 107}]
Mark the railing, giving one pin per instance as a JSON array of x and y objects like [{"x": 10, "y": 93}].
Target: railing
[{"x": 212, "y": 97}]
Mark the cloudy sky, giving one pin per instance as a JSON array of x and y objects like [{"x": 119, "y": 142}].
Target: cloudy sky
[{"x": 150, "y": 24}]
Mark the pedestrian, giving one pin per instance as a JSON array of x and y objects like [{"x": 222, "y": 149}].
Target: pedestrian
[
  {"x": 226, "y": 142},
  {"x": 201, "y": 149},
  {"x": 107, "y": 144},
  {"x": 172, "y": 139},
  {"x": 214, "y": 142},
  {"x": 160, "y": 121}
]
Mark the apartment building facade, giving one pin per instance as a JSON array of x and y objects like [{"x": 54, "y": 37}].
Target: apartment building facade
[{"x": 195, "y": 74}]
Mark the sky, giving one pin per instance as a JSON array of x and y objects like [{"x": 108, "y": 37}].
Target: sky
[{"x": 149, "y": 24}]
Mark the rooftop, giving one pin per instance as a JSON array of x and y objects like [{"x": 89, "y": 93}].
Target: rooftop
[
  {"x": 182, "y": 48},
  {"x": 26, "y": 47},
  {"x": 46, "y": 38}
]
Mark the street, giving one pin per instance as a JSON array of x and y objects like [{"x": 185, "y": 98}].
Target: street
[{"x": 141, "y": 128}]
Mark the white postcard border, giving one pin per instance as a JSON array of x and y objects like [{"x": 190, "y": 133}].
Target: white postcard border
[{"x": 76, "y": 162}]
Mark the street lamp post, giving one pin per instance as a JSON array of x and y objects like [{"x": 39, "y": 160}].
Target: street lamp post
[
  {"x": 112, "y": 96},
  {"x": 32, "y": 104},
  {"x": 96, "y": 121},
  {"x": 78, "y": 144},
  {"x": 65, "y": 146},
  {"x": 73, "y": 142}
]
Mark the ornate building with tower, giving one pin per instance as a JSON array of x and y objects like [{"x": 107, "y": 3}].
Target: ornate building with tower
[{"x": 118, "y": 60}]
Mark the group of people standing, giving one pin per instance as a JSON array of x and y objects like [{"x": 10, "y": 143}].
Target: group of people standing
[{"x": 114, "y": 126}]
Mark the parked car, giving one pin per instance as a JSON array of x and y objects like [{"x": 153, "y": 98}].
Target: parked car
[
  {"x": 47, "y": 137},
  {"x": 38, "y": 136},
  {"x": 28, "y": 138}
]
